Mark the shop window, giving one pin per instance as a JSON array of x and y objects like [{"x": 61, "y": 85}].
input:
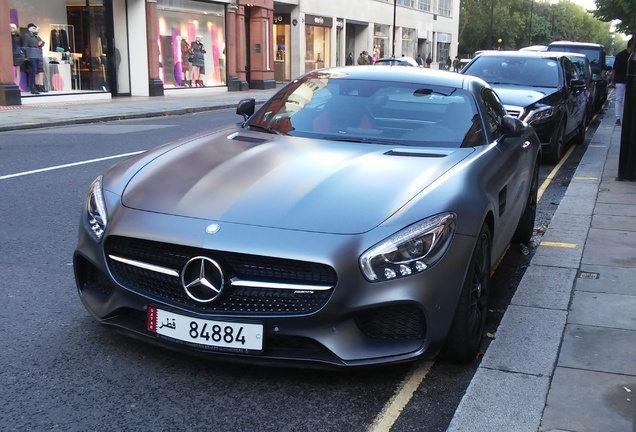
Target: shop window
[{"x": 191, "y": 43}]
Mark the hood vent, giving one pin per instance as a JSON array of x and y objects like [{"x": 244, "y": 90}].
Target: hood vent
[{"x": 248, "y": 139}]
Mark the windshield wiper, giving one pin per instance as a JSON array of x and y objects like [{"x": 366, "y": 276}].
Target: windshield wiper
[{"x": 266, "y": 128}]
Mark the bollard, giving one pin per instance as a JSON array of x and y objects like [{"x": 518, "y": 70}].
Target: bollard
[{"x": 627, "y": 156}]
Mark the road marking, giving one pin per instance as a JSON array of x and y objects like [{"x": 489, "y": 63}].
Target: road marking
[
  {"x": 391, "y": 411},
  {"x": 559, "y": 244},
  {"x": 550, "y": 176},
  {"x": 53, "y": 168},
  {"x": 585, "y": 178}
]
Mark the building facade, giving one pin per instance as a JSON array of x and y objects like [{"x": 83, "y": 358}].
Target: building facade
[{"x": 103, "y": 48}]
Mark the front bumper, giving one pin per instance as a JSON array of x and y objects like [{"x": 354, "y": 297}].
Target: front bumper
[{"x": 355, "y": 323}]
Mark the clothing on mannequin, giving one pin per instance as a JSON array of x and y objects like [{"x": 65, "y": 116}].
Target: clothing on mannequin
[
  {"x": 19, "y": 56},
  {"x": 186, "y": 53},
  {"x": 32, "y": 44},
  {"x": 198, "y": 61}
]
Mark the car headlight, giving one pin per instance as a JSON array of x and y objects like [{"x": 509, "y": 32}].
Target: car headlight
[
  {"x": 96, "y": 214},
  {"x": 540, "y": 114},
  {"x": 410, "y": 251}
]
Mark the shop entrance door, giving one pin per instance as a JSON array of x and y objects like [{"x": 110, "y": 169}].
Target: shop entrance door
[{"x": 92, "y": 21}]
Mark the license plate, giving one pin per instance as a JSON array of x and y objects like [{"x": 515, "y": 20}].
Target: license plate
[{"x": 222, "y": 335}]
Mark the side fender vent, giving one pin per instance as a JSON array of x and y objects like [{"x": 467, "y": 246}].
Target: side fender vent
[{"x": 503, "y": 194}]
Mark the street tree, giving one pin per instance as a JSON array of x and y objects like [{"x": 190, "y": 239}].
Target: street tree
[
  {"x": 519, "y": 23},
  {"x": 622, "y": 10}
]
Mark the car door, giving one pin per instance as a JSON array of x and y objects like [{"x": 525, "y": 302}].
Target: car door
[
  {"x": 513, "y": 177},
  {"x": 575, "y": 99}
]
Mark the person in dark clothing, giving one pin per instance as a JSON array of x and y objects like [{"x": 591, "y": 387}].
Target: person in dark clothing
[
  {"x": 428, "y": 62},
  {"x": 619, "y": 79},
  {"x": 349, "y": 61},
  {"x": 420, "y": 60}
]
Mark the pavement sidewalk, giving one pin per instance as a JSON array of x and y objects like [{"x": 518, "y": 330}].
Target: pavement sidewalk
[
  {"x": 175, "y": 102},
  {"x": 564, "y": 355}
]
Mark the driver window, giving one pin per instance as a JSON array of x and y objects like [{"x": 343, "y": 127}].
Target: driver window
[{"x": 494, "y": 111}]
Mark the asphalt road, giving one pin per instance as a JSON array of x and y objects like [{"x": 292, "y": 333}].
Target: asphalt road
[{"x": 60, "y": 370}]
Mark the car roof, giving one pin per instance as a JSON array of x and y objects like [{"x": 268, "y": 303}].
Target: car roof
[
  {"x": 572, "y": 43},
  {"x": 403, "y": 74},
  {"x": 523, "y": 54}
]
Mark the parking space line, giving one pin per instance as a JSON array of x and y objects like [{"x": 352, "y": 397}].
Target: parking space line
[
  {"x": 387, "y": 417},
  {"x": 559, "y": 244},
  {"x": 555, "y": 170},
  {"x": 53, "y": 168}
]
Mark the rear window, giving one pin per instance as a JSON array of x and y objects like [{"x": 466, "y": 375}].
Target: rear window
[{"x": 593, "y": 54}]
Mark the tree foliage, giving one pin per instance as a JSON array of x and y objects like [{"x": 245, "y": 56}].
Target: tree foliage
[
  {"x": 622, "y": 10},
  {"x": 520, "y": 23}
]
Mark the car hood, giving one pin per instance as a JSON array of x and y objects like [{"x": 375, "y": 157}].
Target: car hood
[
  {"x": 287, "y": 182},
  {"x": 522, "y": 96}
]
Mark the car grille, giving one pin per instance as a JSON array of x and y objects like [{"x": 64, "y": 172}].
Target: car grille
[
  {"x": 400, "y": 322},
  {"x": 237, "y": 299}
]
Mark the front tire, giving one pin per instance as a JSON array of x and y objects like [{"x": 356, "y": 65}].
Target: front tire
[
  {"x": 466, "y": 332},
  {"x": 557, "y": 143},
  {"x": 525, "y": 227},
  {"x": 580, "y": 135}
]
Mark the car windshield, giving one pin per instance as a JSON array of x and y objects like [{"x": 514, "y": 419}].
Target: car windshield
[
  {"x": 333, "y": 106},
  {"x": 523, "y": 71}
]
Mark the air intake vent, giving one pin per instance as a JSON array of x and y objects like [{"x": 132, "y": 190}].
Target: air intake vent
[{"x": 248, "y": 139}]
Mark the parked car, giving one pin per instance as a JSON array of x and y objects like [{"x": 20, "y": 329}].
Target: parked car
[
  {"x": 396, "y": 61},
  {"x": 584, "y": 69},
  {"x": 354, "y": 219},
  {"x": 596, "y": 55},
  {"x": 541, "y": 88},
  {"x": 534, "y": 48}
]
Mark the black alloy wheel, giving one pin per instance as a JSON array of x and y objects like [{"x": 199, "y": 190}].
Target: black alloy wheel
[
  {"x": 525, "y": 227},
  {"x": 464, "y": 338},
  {"x": 557, "y": 144},
  {"x": 579, "y": 138}
]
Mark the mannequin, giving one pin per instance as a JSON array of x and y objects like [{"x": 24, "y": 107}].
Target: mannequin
[
  {"x": 186, "y": 53},
  {"x": 16, "y": 45},
  {"x": 19, "y": 55},
  {"x": 32, "y": 44},
  {"x": 198, "y": 61}
]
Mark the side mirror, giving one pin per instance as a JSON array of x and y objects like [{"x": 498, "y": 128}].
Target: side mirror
[
  {"x": 512, "y": 126},
  {"x": 246, "y": 108}
]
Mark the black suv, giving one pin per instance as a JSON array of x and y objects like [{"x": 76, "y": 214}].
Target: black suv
[
  {"x": 541, "y": 88},
  {"x": 596, "y": 55}
]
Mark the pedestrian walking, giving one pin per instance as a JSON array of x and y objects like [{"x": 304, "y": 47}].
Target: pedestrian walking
[
  {"x": 619, "y": 78},
  {"x": 456, "y": 64},
  {"x": 349, "y": 60},
  {"x": 419, "y": 60},
  {"x": 448, "y": 63},
  {"x": 428, "y": 61}
]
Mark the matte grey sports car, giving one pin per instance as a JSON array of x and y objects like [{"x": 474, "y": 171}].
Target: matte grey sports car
[{"x": 354, "y": 219}]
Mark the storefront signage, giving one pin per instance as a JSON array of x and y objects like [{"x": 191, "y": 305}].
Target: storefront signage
[
  {"x": 318, "y": 21},
  {"x": 282, "y": 18}
]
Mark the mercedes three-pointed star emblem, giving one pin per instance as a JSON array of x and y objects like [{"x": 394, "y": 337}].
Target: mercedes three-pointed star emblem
[{"x": 202, "y": 279}]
